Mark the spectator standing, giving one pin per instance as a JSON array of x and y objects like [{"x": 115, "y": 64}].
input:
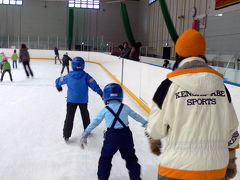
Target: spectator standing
[
  {"x": 126, "y": 51},
  {"x": 135, "y": 52}
]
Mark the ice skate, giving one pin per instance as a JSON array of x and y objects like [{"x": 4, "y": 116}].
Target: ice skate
[{"x": 66, "y": 139}]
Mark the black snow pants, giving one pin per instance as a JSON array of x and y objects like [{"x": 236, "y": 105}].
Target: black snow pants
[
  {"x": 64, "y": 68},
  {"x": 68, "y": 124},
  {"x": 118, "y": 140},
  {"x": 27, "y": 68},
  {"x": 9, "y": 71}
]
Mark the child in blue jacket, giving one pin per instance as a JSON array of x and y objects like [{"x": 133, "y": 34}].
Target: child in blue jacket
[
  {"x": 118, "y": 135},
  {"x": 78, "y": 82}
]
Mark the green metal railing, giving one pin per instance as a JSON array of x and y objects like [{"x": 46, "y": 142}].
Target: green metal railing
[{"x": 49, "y": 42}]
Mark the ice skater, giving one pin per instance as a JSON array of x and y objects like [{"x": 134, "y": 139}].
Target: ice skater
[
  {"x": 193, "y": 109},
  {"x": 65, "y": 62},
  {"x": 25, "y": 59},
  {"x": 1, "y": 55},
  {"x": 6, "y": 68},
  {"x": 78, "y": 82},
  {"x": 14, "y": 59},
  {"x": 56, "y": 55},
  {"x": 118, "y": 136}
]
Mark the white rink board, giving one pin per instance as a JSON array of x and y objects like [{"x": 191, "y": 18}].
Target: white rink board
[{"x": 141, "y": 78}]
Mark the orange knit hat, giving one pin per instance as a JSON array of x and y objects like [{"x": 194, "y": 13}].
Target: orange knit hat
[{"x": 191, "y": 43}]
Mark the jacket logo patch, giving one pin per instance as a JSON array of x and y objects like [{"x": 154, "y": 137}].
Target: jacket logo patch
[
  {"x": 234, "y": 138},
  {"x": 199, "y": 99},
  {"x": 91, "y": 80},
  {"x": 209, "y": 101}
]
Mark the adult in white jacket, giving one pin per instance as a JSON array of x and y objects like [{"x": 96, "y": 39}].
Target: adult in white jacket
[{"x": 192, "y": 110}]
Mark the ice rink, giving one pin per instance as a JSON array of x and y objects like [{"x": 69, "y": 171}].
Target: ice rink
[{"x": 31, "y": 122}]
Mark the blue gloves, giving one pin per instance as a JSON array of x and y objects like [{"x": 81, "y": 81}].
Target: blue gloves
[
  {"x": 58, "y": 84},
  {"x": 59, "y": 89}
]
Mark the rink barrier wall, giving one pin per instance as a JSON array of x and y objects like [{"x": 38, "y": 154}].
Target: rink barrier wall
[
  {"x": 234, "y": 84},
  {"x": 140, "y": 78},
  {"x": 144, "y": 106}
]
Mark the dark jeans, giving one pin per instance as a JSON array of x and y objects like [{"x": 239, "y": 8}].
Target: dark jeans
[
  {"x": 14, "y": 62},
  {"x": 57, "y": 56},
  {"x": 27, "y": 68},
  {"x": 68, "y": 124},
  {"x": 4, "y": 71},
  {"x": 64, "y": 68},
  {"x": 118, "y": 139}
]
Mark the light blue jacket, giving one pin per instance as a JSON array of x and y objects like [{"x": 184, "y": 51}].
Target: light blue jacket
[
  {"x": 78, "y": 83},
  {"x": 105, "y": 113}
]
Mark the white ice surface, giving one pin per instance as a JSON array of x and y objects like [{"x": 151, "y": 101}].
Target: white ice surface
[{"x": 31, "y": 122}]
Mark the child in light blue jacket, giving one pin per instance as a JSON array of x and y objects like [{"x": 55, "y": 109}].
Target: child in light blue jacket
[{"x": 118, "y": 135}]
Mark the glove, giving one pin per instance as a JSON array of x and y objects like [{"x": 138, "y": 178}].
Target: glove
[
  {"x": 145, "y": 124},
  {"x": 59, "y": 89},
  {"x": 83, "y": 140},
  {"x": 232, "y": 167},
  {"x": 155, "y": 146}
]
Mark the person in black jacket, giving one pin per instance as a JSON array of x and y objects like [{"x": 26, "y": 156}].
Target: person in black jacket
[
  {"x": 65, "y": 62},
  {"x": 135, "y": 52},
  {"x": 166, "y": 63},
  {"x": 57, "y": 55},
  {"x": 120, "y": 49}
]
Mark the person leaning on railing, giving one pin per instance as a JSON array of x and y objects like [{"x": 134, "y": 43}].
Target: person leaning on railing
[{"x": 135, "y": 52}]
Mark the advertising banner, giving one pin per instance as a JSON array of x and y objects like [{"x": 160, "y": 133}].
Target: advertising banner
[{"x": 224, "y": 3}]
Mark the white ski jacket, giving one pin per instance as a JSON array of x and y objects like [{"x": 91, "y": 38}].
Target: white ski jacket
[{"x": 192, "y": 108}]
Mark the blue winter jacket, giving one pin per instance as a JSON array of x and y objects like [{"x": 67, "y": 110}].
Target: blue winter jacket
[{"x": 78, "y": 83}]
